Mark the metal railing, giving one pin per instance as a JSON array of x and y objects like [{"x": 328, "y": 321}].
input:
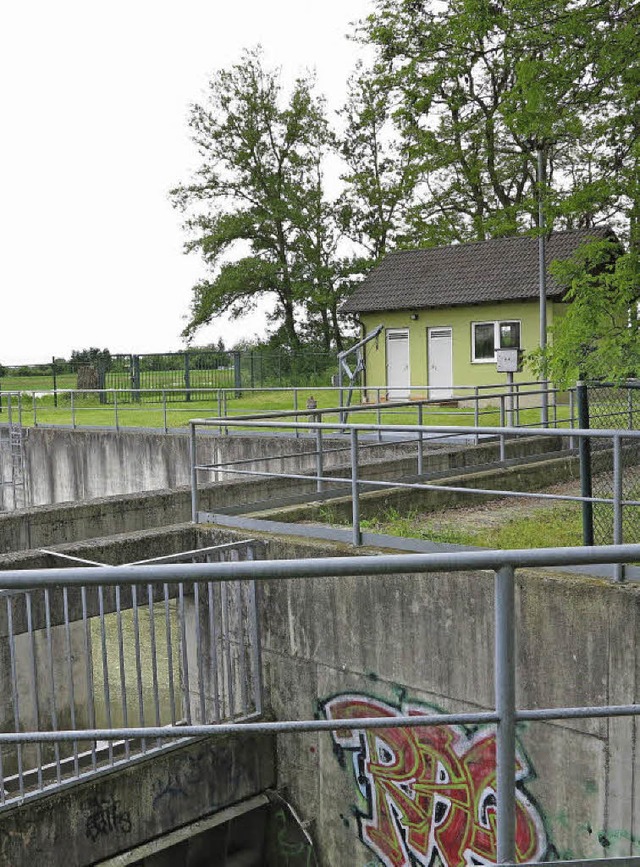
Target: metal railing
[
  {"x": 157, "y": 408},
  {"x": 505, "y": 714},
  {"x": 419, "y": 437},
  {"x": 112, "y": 655}
]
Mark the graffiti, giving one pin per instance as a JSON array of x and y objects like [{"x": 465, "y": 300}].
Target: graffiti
[
  {"x": 105, "y": 817},
  {"x": 288, "y": 842},
  {"x": 430, "y": 791},
  {"x": 177, "y": 784}
]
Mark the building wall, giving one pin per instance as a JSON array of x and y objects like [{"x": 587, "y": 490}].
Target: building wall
[{"x": 465, "y": 371}]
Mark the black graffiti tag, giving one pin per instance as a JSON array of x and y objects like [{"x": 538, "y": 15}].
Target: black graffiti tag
[{"x": 105, "y": 817}]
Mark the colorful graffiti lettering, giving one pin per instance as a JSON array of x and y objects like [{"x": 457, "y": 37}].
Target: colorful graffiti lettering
[{"x": 430, "y": 790}]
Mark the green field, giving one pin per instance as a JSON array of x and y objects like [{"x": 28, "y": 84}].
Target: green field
[{"x": 85, "y": 410}]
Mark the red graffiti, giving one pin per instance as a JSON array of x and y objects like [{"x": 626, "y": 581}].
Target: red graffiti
[{"x": 431, "y": 790}]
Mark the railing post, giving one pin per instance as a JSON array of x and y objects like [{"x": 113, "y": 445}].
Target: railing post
[
  {"x": 378, "y": 415},
  {"x": 35, "y": 412},
  {"x": 73, "y": 410},
  {"x": 295, "y": 409},
  {"x": 319, "y": 461},
  {"x": 164, "y": 410},
  {"x": 476, "y": 411},
  {"x": 115, "y": 408},
  {"x": 584, "y": 446},
  {"x": 505, "y": 676},
  {"x": 219, "y": 410},
  {"x": 194, "y": 473},
  {"x": 357, "y": 535},
  {"x": 420, "y": 437},
  {"x": 502, "y": 451},
  {"x": 617, "y": 502},
  {"x": 572, "y": 441}
]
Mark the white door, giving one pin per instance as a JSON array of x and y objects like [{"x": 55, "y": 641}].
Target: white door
[
  {"x": 398, "y": 363},
  {"x": 440, "y": 363}
]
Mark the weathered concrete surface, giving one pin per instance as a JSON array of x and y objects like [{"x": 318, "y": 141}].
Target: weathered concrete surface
[
  {"x": 524, "y": 477},
  {"x": 107, "y": 815},
  {"x": 46, "y": 525},
  {"x": 63, "y": 465},
  {"x": 429, "y": 639}
]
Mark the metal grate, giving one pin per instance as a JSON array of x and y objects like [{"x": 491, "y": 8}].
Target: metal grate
[{"x": 109, "y": 657}]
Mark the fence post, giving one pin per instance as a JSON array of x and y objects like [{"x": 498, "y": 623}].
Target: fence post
[
  {"x": 135, "y": 376},
  {"x": 187, "y": 377},
  {"x": 505, "y": 675},
  {"x": 295, "y": 409},
  {"x": 355, "y": 502},
  {"x": 164, "y": 410},
  {"x": 194, "y": 473},
  {"x": 502, "y": 452},
  {"x": 115, "y": 407},
  {"x": 379, "y": 415},
  {"x": 237, "y": 372},
  {"x": 55, "y": 381},
  {"x": 476, "y": 412},
  {"x": 73, "y": 410},
  {"x": 617, "y": 502},
  {"x": 572, "y": 409},
  {"x": 584, "y": 449},
  {"x": 420, "y": 436},
  {"x": 319, "y": 461}
]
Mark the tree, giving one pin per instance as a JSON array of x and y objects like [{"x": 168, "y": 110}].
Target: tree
[
  {"x": 381, "y": 166},
  {"x": 255, "y": 200}
]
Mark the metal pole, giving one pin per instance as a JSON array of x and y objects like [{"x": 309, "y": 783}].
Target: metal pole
[
  {"x": 617, "y": 502},
  {"x": 115, "y": 408},
  {"x": 420, "y": 437},
  {"x": 505, "y": 687},
  {"x": 510, "y": 399},
  {"x": 502, "y": 451},
  {"x": 55, "y": 382},
  {"x": 584, "y": 451},
  {"x": 378, "y": 414},
  {"x": 476, "y": 411},
  {"x": 73, "y": 411},
  {"x": 542, "y": 275},
  {"x": 35, "y": 411},
  {"x": 295, "y": 409},
  {"x": 164, "y": 410},
  {"x": 357, "y": 536},
  {"x": 319, "y": 461},
  {"x": 572, "y": 443},
  {"x": 194, "y": 473}
]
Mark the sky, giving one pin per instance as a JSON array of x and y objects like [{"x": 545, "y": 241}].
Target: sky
[{"x": 94, "y": 99}]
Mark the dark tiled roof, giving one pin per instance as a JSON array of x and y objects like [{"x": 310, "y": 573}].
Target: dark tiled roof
[{"x": 504, "y": 269}]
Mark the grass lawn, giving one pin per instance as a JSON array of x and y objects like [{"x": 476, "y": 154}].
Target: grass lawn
[
  {"x": 87, "y": 411},
  {"x": 503, "y": 524}
]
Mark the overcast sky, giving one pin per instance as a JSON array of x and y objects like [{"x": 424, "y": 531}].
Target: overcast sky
[{"x": 94, "y": 101}]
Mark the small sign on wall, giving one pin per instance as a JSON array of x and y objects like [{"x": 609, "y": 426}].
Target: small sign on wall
[{"x": 507, "y": 360}]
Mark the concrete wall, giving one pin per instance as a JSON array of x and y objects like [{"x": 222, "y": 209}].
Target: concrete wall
[
  {"x": 56, "y": 523},
  {"x": 406, "y": 641},
  {"x": 69, "y": 466},
  {"x": 118, "y": 812},
  {"x": 428, "y": 641}
]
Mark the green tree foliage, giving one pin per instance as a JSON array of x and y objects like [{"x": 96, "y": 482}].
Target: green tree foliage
[
  {"x": 256, "y": 206},
  {"x": 98, "y": 358},
  {"x": 479, "y": 87},
  {"x": 381, "y": 167}
]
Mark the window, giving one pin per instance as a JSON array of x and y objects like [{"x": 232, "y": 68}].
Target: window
[{"x": 486, "y": 337}]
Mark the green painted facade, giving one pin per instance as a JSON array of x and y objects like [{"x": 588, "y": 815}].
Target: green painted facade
[{"x": 466, "y": 372}]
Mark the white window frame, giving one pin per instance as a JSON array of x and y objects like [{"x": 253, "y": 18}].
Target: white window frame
[{"x": 496, "y": 337}]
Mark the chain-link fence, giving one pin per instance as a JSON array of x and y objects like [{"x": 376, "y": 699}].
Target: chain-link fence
[{"x": 614, "y": 407}]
